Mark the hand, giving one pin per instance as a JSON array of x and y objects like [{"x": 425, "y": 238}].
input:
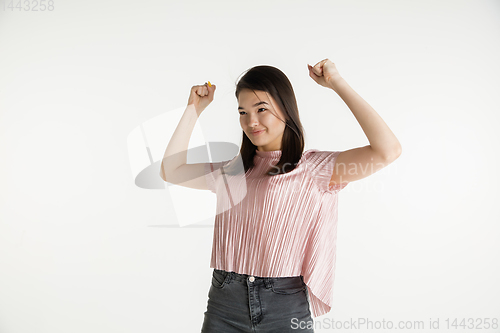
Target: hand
[
  {"x": 201, "y": 97},
  {"x": 324, "y": 73}
]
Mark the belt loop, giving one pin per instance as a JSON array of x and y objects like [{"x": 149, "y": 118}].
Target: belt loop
[
  {"x": 267, "y": 282},
  {"x": 229, "y": 277}
]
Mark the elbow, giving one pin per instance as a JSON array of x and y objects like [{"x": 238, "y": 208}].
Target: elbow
[
  {"x": 167, "y": 176},
  {"x": 394, "y": 154},
  {"x": 162, "y": 174},
  {"x": 391, "y": 154},
  {"x": 399, "y": 150}
]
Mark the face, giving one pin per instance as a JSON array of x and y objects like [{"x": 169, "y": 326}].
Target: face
[{"x": 264, "y": 117}]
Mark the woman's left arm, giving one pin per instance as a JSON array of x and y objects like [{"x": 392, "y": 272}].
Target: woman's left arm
[
  {"x": 380, "y": 136},
  {"x": 384, "y": 147}
]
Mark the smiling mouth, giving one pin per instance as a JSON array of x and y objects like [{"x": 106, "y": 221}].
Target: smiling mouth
[{"x": 257, "y": 133}]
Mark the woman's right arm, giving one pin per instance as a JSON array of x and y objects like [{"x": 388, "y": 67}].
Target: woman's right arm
[{"x": 174, "y": 168}]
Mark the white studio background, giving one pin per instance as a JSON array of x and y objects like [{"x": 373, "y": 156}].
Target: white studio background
[{"x": 83, "y": 249}]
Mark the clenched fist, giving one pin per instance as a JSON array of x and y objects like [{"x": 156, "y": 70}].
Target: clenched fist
[{"x": 201, "y": 96}]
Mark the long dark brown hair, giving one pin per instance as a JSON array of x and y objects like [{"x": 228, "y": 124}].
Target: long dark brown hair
[{"x": 274, "y": 82}]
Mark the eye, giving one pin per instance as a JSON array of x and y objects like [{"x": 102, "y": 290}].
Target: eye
[{"x": 258, "y": 110}]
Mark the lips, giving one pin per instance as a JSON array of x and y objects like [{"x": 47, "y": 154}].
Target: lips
[{"x": 257, "y": 132}]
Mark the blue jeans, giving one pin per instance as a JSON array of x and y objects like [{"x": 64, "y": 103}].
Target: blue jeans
[{"x": 245, "y": 303}]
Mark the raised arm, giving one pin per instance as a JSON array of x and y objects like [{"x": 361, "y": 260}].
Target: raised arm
[
  {"x": 384, "y": 147},
  {"x": 174, "y": 168}
]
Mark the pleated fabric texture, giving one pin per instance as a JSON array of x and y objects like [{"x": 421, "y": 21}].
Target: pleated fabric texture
[{"x": 281, "y": 225}]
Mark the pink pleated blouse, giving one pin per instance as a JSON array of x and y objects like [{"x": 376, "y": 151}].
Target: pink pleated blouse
[{"x": 279, "y": 226}]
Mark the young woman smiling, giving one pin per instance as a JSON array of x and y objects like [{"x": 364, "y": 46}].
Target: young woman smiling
[{"x": 274, "y": 243}]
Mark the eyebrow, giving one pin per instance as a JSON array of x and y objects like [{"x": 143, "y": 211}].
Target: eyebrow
[{"x": 256, "y": 104}]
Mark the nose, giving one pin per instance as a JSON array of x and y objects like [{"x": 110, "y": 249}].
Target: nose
[{"x": 253, "y": 121}]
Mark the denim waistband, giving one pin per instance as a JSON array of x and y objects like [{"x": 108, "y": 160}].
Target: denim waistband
[{"x": 243, "y": 277}]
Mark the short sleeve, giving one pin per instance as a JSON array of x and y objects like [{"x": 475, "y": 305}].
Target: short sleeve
[
  {"x": 320, "y": 166},
  {"x": 212, "y": 172}
]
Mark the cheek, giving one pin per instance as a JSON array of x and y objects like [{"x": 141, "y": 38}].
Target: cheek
[
  {"x": 277, "y": 124},
  {"x": 270, "y": 120}
]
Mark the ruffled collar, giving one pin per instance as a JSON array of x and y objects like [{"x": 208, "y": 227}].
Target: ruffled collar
[{"x": 268, "y": 154}]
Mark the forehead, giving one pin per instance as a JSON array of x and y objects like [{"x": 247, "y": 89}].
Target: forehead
[{"x": 247, "y": 98}]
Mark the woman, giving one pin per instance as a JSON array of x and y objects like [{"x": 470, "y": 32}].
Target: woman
[{"x": 274, "y": 239}]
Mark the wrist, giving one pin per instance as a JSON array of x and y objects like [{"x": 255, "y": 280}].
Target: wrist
[
  {"x": 335, "y": 82},
  {"x": 193, "y": 111}
]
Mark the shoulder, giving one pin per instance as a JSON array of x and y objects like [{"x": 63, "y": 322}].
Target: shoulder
[
  {"x": 317, "y": 157},
  {"x": 321, "y": 165},
  {"x": 310, "y": 153}
]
